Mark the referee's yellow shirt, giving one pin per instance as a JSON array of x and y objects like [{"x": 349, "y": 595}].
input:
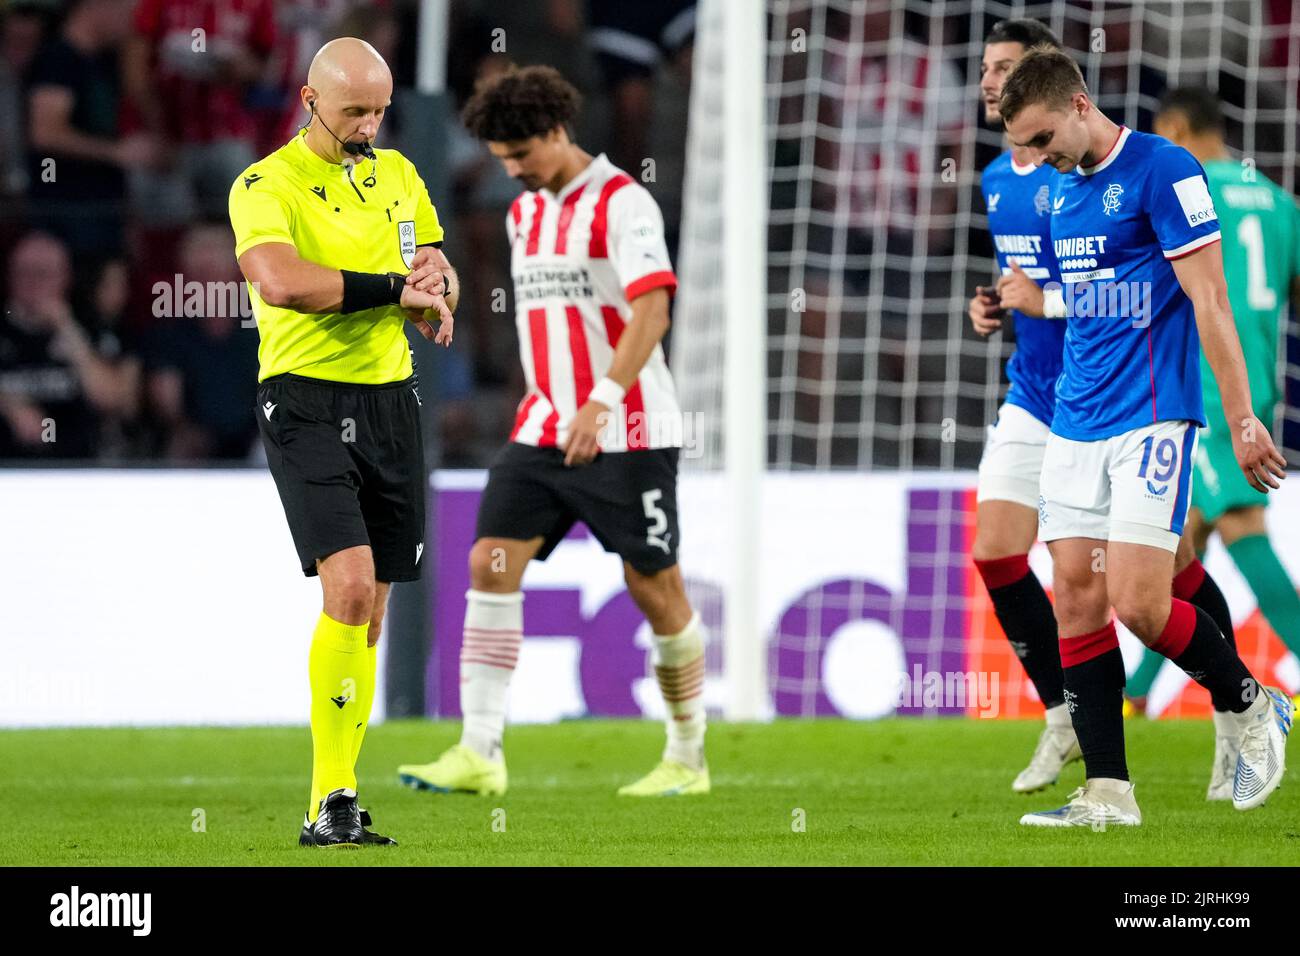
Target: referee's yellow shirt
[{"x": 370, "y": 222}]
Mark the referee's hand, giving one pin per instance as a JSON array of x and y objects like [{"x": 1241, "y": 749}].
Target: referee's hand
[{"x": 419, "y": 304}]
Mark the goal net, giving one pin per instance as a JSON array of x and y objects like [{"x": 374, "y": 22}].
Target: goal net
[{"x": 877, "y": 393}]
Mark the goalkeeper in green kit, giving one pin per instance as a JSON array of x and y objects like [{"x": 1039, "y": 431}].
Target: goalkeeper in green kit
[{"x": 1260, "y": 223}]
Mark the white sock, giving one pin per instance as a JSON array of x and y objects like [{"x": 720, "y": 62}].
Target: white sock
[
  {"x": 1261, "y": 703},
  {"x": 1225, "y": 725},
  {"x": 1110, "y": 784},
  {"x": 679, "y": 666},
  {"x": 494, "y": 629}
]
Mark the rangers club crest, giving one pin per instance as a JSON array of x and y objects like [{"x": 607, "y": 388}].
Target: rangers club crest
[
  {"x": 1110, "y": 198},
  {"x": 1042, "y": 200}
]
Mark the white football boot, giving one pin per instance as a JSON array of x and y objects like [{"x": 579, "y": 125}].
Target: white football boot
[
  {"x": 1057, "y": 746},
  {"x": 1262, "y": 762},
  {"x": 1098, "y": 804},
  {"x": 1227, "y": 745}
]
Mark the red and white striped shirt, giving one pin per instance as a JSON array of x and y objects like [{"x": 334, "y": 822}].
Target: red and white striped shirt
[{"x": 578, "y": 259}]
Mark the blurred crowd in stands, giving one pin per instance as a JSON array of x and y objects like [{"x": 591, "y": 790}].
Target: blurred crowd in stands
[{"x": 128, "y": 120}]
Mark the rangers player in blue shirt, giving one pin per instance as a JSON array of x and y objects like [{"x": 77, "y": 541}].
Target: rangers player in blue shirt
[
  {"x": 1135, "y": 236},
  {"x": 1018, "y": 197}
]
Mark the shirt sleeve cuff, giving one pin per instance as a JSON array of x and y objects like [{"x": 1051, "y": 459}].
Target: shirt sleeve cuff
[
  {"x": 252, "y": 241},
  {"x": 1190, "y": 247},
  {"x": 655, "y": 280}
]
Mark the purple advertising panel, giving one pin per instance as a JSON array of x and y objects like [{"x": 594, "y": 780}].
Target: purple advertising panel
[{"x": 912, "y": 589}]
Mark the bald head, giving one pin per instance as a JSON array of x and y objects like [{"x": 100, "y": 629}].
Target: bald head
[
  {"x": 345, "y": 62},
  {"x": 349, "y": 86}
]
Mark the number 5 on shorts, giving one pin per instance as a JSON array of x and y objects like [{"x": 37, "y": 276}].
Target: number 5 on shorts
[{"x": 658, "y": 519}]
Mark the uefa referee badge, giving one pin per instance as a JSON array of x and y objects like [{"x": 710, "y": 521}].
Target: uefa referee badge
[{"x": 406, "y": 240}]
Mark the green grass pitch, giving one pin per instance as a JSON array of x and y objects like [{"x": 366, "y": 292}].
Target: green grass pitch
[{"x": 904, "y": 791}]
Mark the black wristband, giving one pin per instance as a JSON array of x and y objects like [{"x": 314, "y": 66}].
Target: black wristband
[{"x": 369, "y": 290}]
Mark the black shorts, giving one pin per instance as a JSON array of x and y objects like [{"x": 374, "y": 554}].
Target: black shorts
[
  {"x": 348, "y": 461},
  {"x": 628, "y": 500}
]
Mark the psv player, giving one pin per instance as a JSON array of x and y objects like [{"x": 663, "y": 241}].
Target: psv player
[
  {"x": 1136, "y": 240},
  {"x": 1017, "y": 194},
  {"x": 596, "y": 437}
]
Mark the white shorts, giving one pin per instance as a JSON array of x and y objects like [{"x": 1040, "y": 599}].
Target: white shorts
[
  {"x": 1135, "y": 487},
  {"x": 1013, "y": 458}
]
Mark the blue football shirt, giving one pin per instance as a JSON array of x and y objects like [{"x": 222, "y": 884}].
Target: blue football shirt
[
  {"x": 1132, "y": 354},
  {"x": 1019, "y": 203}
]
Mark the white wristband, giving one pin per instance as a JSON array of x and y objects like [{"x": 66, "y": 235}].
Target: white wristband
[
  {"x": 608, "y": 392},
  {"x": 1053, "y": 304}
]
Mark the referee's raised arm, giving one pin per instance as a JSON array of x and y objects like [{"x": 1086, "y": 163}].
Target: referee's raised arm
[{"x": 332, "y": 234}]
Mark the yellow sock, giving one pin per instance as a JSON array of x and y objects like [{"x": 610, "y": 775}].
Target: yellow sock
[
  {"x": 336, "y": 667},
  {"x": 365, "y": 699}
]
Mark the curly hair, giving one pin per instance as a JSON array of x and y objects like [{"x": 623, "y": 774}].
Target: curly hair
[{"x": 521, "y": 103}]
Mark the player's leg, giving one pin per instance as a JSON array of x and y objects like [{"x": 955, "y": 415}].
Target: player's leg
[
  {"x": 366, "y": 700},
  {"x": 1238, "y": 512},
  {"x": 1005, "y": 531},
  {"x": 678, "y": 641},
  {"x": 317, "y": 481},
  {"x": 493, "y": 634},
  {"x": 629, "y": 501},
  {"x": 1245, "y": 536},
  {"x": 1073, "y": 518},
  {"x": 491, "y": 639},
  {"x": 383, "y": 439},
  {"x": 1193, "y": 584},
  {"x": 520, "y": 518},
  {"x": 1188, "y": 636},
  {"x": 338, "y": 665},
  {"x": 1094, "y": 684},
  {"x": 1150, "y": 473},
  {"x": 1195, "y": 535},
  {"x": 1006, "y": 526},
  {"x": 366, "y": 687}
]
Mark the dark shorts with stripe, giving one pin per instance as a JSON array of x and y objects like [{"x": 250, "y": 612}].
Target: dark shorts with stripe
[
  {"x": 348, "y": 461},
  {"x": 628, "y": 500}
]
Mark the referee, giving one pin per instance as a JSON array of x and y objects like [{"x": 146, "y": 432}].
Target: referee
[{"x": 331, "y": 235}]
